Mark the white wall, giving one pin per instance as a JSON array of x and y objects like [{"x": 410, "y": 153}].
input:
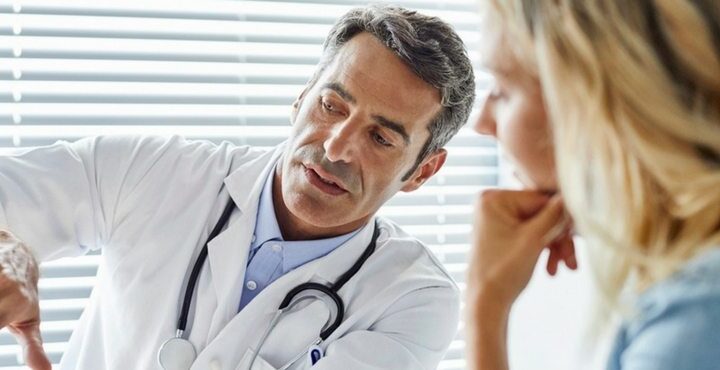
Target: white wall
[{"x": 549, "y": 321}]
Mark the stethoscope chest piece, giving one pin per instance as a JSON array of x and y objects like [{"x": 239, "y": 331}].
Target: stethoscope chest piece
[{"x": 176, "y": 354}]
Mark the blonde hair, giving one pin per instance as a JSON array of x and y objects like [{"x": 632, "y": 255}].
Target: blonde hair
[{"x": 633, "y": 93}]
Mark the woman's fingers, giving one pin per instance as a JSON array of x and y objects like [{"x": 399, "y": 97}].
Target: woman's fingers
[
  {"x": 511, "y": 228},
  {"x": 568, "y": 252},
  {"x": 553, "y": 260},
  {"x": 561, "y": 249},
  {"x": 548, "y": 224}
]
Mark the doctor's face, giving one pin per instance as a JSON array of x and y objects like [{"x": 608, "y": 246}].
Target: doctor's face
[
  {"x": 514, "y": 114},
  {"x": 357, "y": 130}
]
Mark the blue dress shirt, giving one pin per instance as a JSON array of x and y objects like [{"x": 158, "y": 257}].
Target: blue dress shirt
[
  {"x": 271, "y": 256},
  {"x": 678, "y": 322}
]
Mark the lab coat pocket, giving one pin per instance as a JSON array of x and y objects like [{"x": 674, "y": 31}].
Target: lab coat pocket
[{"x": 259, "y": 364}]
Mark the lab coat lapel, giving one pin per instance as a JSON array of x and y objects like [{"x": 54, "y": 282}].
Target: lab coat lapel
[{"x": 228, "y": 252}]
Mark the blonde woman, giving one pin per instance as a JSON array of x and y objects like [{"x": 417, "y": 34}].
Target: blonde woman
[{"x": 614, "y": 106}]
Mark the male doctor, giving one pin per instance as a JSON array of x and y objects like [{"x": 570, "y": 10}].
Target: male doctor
[{"x": 392, "y": 88}]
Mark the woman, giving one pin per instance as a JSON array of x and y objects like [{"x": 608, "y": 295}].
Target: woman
[{"x": 615, "y": 106}]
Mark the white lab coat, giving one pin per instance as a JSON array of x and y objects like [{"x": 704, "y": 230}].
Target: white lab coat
[{"x": 149, "y": 203}]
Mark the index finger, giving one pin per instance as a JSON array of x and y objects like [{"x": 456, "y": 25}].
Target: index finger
[{"x": 522, "y": 204}]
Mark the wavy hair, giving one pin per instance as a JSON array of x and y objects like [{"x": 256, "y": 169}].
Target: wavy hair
[{"x": 633, "y": 93}]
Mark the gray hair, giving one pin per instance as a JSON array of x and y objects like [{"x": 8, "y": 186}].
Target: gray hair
[{"x": 430, "y": 47}]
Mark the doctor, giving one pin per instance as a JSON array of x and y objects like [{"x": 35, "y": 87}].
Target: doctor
[{"x": 392, "y": 88}]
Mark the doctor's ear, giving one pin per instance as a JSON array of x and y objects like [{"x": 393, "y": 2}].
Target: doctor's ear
[{"x": 429, "y": 167}]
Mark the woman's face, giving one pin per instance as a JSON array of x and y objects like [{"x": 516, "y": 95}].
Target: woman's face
[{"x": 514, "y": 114}]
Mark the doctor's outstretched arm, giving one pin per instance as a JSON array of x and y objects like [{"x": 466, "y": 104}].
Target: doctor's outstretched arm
[
  {"x": 57, "y": 201},
  {"x": 49, "y": 199}
]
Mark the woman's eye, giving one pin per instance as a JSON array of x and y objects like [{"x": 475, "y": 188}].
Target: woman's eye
[
  {"x": 381, "y": 140},
  {"x": 497, "y": 92}
]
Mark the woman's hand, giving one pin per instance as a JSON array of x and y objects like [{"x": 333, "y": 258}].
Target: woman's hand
[{"x": 511, "y": 229}]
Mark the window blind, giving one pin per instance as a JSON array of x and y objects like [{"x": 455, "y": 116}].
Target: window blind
[{"x": 215, "y": 70}]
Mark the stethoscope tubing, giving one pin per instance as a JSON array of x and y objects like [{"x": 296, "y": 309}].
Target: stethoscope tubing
[{"x": 330, "y": 291}]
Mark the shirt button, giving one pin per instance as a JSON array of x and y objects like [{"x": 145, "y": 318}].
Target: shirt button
[
  {"x": 277, "y": 248},
  {"x": 251, "y": 285}
]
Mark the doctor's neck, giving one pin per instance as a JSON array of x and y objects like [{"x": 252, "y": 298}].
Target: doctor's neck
[{"x": 294, "y": 227}]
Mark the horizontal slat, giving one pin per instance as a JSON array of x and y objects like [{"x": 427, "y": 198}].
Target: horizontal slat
[
  {"x": 139, "y": 49},
  {"x": 72, "y": 70},
  {"x": 158, "y": 28},
  {"x": 146, "y": 92},
  {"x": 247, "y": 132},
  {"x": 139, "y": 111},
  {"x": 172, "y": 29},
  {"x": 53, "y": 331},
  {"x": 11, "y": 355},
  {"x": 155, "y": 71},
  {"x": 70, "y": 267},
  {"x": 318, "y": 11},
  {"x": 62, "y": 309}
]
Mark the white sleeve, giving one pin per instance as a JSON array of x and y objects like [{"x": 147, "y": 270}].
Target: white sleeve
[{"x": 61, "y": 199}]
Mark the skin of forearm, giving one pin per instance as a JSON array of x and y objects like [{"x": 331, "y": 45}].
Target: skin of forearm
[{"x": 487, "y": 323}]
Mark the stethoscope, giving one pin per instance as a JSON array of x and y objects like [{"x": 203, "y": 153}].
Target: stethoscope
[{"x": 178, "y": 353}]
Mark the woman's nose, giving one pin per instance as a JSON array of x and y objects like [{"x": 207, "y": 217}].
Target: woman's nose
[{"x": 485, "y": 120}]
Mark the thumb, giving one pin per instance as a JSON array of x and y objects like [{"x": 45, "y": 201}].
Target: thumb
[
  {"x": 28, "y": 335},
  {"x": 548, "y": 223}
]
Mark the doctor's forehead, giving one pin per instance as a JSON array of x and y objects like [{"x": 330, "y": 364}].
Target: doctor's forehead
[{"x": 368, "y": 70}]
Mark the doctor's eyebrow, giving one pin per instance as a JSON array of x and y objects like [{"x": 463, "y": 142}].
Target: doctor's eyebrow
[
  {"x": 392, "y": 125},
  {"x": 340, "y": 90}
]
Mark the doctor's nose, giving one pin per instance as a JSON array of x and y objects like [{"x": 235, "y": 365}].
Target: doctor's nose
[
  {"x": 485, "y": 123},
  {"x": 339, "y": 143}
]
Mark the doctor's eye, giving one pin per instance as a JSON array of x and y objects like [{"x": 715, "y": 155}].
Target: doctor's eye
[
  {"x": 327, "y": 106},
  {"x": 380, "y": 139}
]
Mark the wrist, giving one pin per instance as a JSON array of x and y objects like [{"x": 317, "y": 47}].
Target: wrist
[
  {"x": 488, "y": 297},
  {"x": 486, "y": 322}
]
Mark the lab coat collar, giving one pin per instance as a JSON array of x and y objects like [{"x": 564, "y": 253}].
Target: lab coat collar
[
  {"x": 251, "y": 176},
  {"x": 228, "y": 252}
]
